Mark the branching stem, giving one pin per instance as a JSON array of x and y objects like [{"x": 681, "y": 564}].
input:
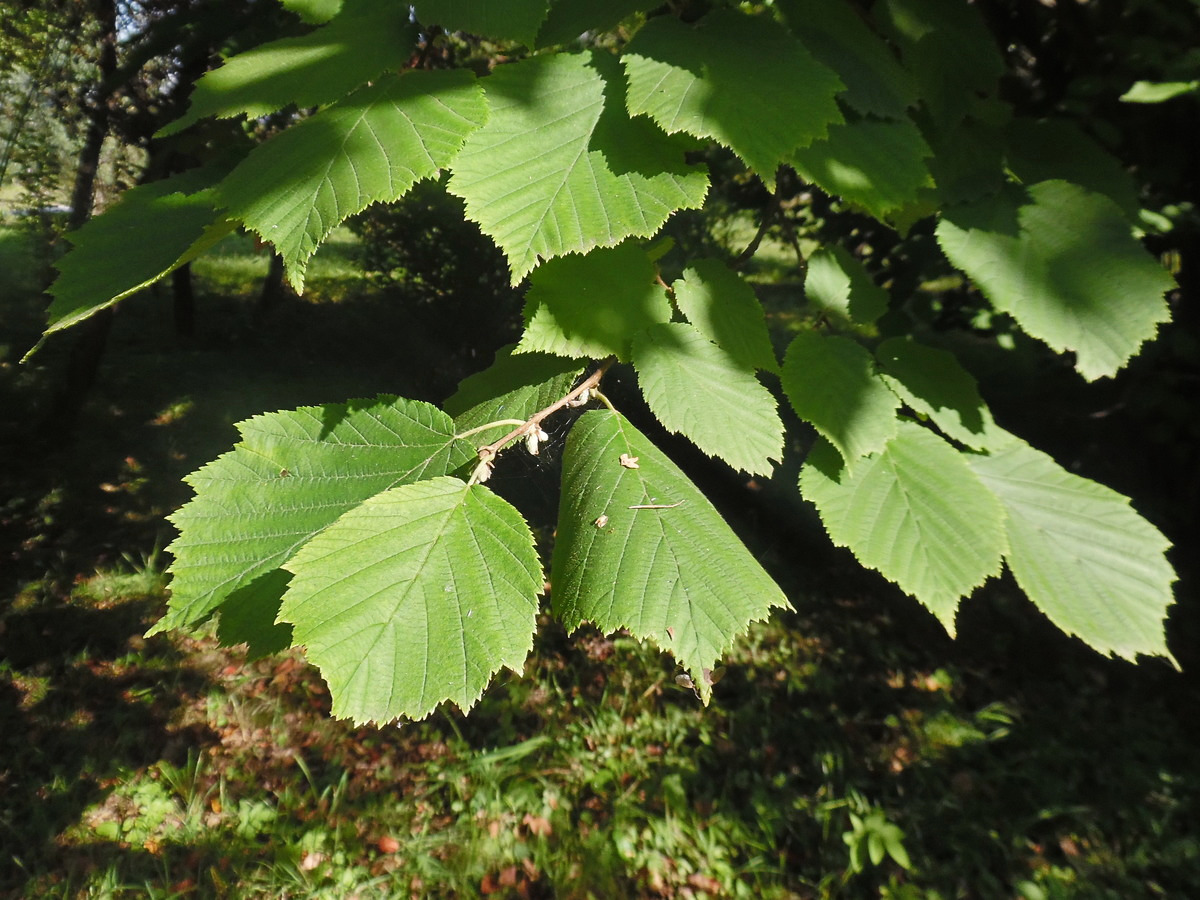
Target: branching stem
[
  {"x": 496, "y": 424},
  {"x": 488, "y": 452}
]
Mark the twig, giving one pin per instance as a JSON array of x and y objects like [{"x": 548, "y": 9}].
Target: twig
[{"x": 488, "y": 452}]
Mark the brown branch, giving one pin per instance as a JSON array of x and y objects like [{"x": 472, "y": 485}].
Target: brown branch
[{"x": 488, "y": 452}]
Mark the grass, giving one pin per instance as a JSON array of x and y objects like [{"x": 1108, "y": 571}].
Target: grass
[{"x": 852, "y": 749}]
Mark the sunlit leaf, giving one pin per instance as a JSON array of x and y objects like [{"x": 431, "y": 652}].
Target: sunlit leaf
[
  {"x": 365, "y": 39},
  {"x": 417, "y": 596},
  {"x": 741, "y": 80},
  {"x": 640, "y": 547},
  {"x": 831, "y": 382},
  {"x": 515, "y": 386},
  {"x": 837, "y": 284},
  {"x": 1062, "y": 262},
  {"x": 292, "y": 474},
  {"x": 109, "y": 262},
  {"x": 698, "y": 390},
  {"x": 593, "y": 305},
  {"x": 725, "y": 310},
  {"x": 934, "y": 384},
  {"x": 915, "y": 512},
  {"x": 560, "y": 168},
  {"x": 1080, "y": 552},
  {"x": 373, "y": 146},
  {"x": 879, "y": 166}
]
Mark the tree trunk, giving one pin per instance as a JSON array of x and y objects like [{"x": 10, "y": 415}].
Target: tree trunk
[
  {"x": 272, "y": 292},
  {"x": 83, "y": 362}
]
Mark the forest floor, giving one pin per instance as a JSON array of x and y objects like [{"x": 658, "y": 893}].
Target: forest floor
[{"x": 852, "y": 748}]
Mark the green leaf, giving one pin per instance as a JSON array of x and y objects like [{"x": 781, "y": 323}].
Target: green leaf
[
  {"x": 111, "y": 258},
  {"x": 591, "y": 306},
  {"x": 560, "y": 168},
  {"x": 293, "y": 474},
  {"x": 373, "y": 146},
  {"x": 1079, "y": 551},
  {"x": 838, "y": 285},
  {"x": 1060, "y": 149},
  {"x": 365, "y": 39},
  {"x": 1158, "y": 91},
  {"x": 313, "y": 11},
  {"x": 677, "y": 576},
  {"x": 893, "y": 839},
  {"x": 698, "y": 390},
  {"x": 879, "y": 166},
  {"x": 248, "y": 616},
  {"x": 738, "y": 79},
  {"x": 967, "y": 161},
  {"x": 838, "y": 36},
  {"x": 569, "y": 19},
  {"x": 417, "y": 596},
  {"x": 875, "y": 848},
  {"x": 949, "y": 48},
  {"x": 934, "y": 384},
  {"x": 515, "y": 386},
  {"x": 725, "y": 310},
  {"x": 831, "y": 382},
  {"x": 1061, "y": 261},
  {"x": 508, "y": 20},
  {"x": 915, "y": 512}
]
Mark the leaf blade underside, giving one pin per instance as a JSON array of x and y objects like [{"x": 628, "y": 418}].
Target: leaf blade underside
[
  {"x": 415, "y": 597},
  {"x": 677, "y": 576},
  {"x": 293, "y": 474}
]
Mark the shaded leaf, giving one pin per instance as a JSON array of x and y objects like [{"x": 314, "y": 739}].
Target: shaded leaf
[
  {"x": 560, "y": 168},
  {"x": 111, "y": 258},
  {"x": 915, "y": 512},
  {"x": 837, "y": 284},
  {"x": 725, "y": 310},
  {"x": 934, "y": 384},
  {"x": 676, "y": 576},
  {"x": 515, "y": 386},
  {"x": 373, "y": 146},
  {"x": 1062, "y": 262},
  {"x": 365, "y": 39},
  {"x": 248, "y": 616},
  {"x": 1095, "y": 567},
  {"x": 568, "y": 19},
  {"x": 838, "y": 36},
  {"x": 698, "y": 390},
  {"x": 949, "y": 49},
  {"x": 1060, "y": 149},
  {"x": 509, "y": 20},
  {"x": 292, "y": 474},
  {"x": 879, "y": 166},
  {"x": 967, "y": 161},
  {"x": 591, "y": 306},
  {"x": 831, "y": 382},
  {"x": 417, "y": 596},
  {"x": 736, "y": 79}
]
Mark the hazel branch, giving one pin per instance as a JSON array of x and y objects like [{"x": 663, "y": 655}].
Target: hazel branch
[{"x": 532, "y": 425}]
